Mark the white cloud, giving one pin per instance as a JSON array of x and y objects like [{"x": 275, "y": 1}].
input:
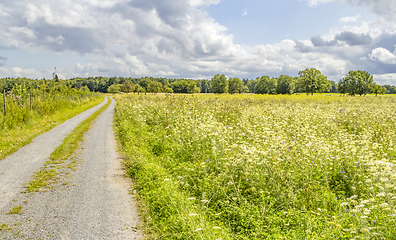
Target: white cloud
[
  {"x": 176, "y": 38},
  {"x": 383, "y": 8},
  {"x": 383, "y": 55},
  {"x": 196, "y": 3},
  {"x": 383, "y": 79},
  {"x": 313, "y": 3},
  {"x": 19, "y": 72},
  {"x": 350, "y": 19},
  {"x": 24, "y": 31},
  {"x": 244, "y": 13}
]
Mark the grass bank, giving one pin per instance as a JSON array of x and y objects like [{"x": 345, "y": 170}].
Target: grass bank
[{"x": 23, "y": 133}]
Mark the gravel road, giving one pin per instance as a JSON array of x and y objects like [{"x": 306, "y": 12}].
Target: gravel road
[{"x": 93, "y": 202}]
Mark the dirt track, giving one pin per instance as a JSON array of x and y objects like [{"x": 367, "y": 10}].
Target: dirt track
[{"x": 92, "y": 202}]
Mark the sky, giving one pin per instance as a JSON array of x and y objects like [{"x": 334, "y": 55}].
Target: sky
[{"x": 197, "y": 38}]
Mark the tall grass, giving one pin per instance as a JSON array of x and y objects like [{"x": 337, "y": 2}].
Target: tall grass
[
  {"x": 20, "y": 125},
  {"x": 255, "y": 167}
]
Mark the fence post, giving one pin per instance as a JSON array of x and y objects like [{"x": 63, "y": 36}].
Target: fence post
[
  {"x": 4, "y": 98},
  {"x": 31, "y": 106}
]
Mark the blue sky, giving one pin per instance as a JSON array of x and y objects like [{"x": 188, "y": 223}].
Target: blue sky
[
  {"x": 267, "y": 22},
  {"x": 197, "y": 38}
]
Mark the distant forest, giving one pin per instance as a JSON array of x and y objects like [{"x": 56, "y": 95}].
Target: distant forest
[{"x": 219, "y": 84}]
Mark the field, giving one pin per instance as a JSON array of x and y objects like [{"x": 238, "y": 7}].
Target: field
[{"x": 257, "y": 167}]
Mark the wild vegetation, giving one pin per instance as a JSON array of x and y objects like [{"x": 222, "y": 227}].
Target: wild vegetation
[
  {"x": 31, "y": 107},
  {"x": 262, "y": 167}
]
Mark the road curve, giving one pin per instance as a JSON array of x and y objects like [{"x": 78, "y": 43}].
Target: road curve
[{"x": 18, "y": 168}]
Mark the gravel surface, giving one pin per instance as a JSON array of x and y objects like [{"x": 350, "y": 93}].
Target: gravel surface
[{"x": 92, "y": 202}]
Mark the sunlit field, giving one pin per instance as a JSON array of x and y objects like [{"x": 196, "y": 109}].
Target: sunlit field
[{"x": 262, "y": 167}]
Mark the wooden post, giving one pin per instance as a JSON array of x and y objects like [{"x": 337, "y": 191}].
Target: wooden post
[
  {"x": 31, "y": 106},
  {"x": 4, "y": 103}
]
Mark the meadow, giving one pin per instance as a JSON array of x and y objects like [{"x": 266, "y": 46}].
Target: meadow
[{"x": 261, "y": 167}]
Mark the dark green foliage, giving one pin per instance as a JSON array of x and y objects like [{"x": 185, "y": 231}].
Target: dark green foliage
[
  {"x": 377, "y": 89},
  {"x": 266, "y": 85},
  {"x": 356, "y": 82},
  {"x": 313, "y": 81},
  {"x": 219, "y": 84},
  {"x": 286, "y": 85}
]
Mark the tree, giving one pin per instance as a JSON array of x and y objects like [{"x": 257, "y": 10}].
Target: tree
[
  {"x": 235, "y": 85},
  {"x": 219, "y": 84},
  {"x": 266, "y": 85},
  {"x": 115, "y": 88},
  {"x": 313, "y": 81},
  {"x": 180, "y": 86},
  {"x": 342, "y": 86},
  {"x": 127, "y": 87},
  {"x": 205, "y": 86},
  {"x": 299, "y": 85},
  {"x": 286, "y": 85},
  {"x": 333, "y": 88},
  {"x": 272, "y": 85},
  {"x": 244, "y": 89},
  {"x": 192, "y": 87},
  {"x": 252, "y": 84},
  {"x": 356, "y": 82},
  {"x": 261, "y": 86},
  {"x": 144, "y": 82},
  {"x": 167, "y": 89},
  {"x": 392, "y": 90},
  {"x": 154, "y": 87},
  {"x": 139, "y": 89},
  {"x": 377, "y": 89}
]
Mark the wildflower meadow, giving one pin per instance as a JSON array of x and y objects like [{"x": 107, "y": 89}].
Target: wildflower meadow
[{"x": 261, "y": 167}]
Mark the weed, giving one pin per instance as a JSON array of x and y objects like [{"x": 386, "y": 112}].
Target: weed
[
  {"x": 15, "y": 210},
  {"x": 4, "y": 227},
  {"x": 241, "y": 167}
]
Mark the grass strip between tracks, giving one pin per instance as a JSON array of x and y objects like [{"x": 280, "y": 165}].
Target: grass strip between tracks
[{"x": 71, "y": 142}]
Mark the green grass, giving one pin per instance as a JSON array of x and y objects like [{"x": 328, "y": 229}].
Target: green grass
[
  {"x": 48, "y": 172},
  {"x": 4, "y": 227},
  {"x": 15, "y": 138},
  {"x": 262, "y": 167},
  {"x": 15, "y": 210}
]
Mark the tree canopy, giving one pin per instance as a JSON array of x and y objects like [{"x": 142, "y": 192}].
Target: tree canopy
[
  {"x": 313, "y": 81},
  {"x": 219, "y": 84}
]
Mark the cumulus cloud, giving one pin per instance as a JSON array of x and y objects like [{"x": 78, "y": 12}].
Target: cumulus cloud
[
  {"x": 383, "y": 55},
  {"x": 383, "y": 79},
  {"x": 382, "y": 8},
  {"x": 353, "y": 39},
  {"x": 176, "y": 38},
  {"x": 19, "y": 72},
  {"x": 350, "y": 19},
  {"x": 318, "y": 41}
]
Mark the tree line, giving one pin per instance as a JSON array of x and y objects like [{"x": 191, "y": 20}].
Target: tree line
[{"x": 308, "y": 81}]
